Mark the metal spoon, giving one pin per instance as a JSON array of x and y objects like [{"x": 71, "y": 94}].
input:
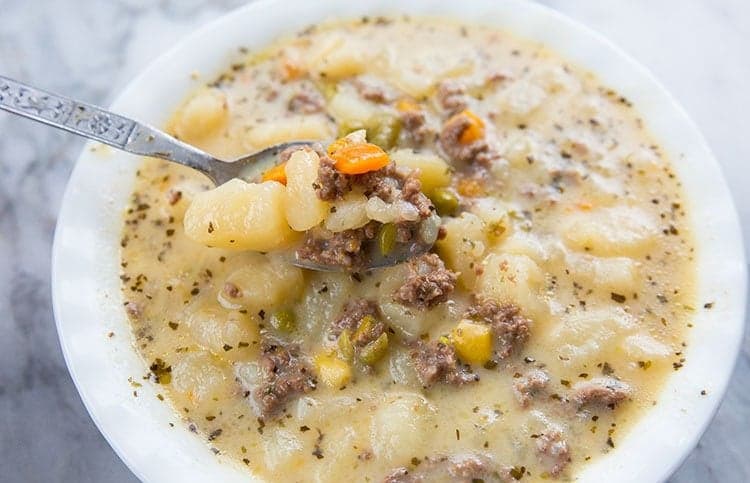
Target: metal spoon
[{"x": 133, "y": 137}]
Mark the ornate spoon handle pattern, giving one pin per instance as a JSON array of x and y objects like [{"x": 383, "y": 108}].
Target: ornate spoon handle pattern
[
  {"x": 100, "y": 125},
  {"x": 77, "y": 117}
]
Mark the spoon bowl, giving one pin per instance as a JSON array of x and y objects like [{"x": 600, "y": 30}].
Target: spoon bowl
[{"x": 134, "y": 137}]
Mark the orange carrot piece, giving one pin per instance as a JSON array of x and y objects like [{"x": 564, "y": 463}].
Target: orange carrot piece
[
  {"x": 290, "y": 71},
  {"x": 359, "y": 158},
  {"x": 338, "y": 145},
  {"x": 474, "y": 130},
  {"x": 277, "y": 173},
  {"x": 470, "y": 188}
]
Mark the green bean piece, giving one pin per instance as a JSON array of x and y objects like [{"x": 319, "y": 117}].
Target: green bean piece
[
  {"x": 284, "y": 321},
  {"x": 375, "y": 350},
  {"x": 387, "y": 238},
  {"x": 345, "y": 346},
  {"x": 383, "y": 130},
  {"x": 365, "y": 327},
  {"x": 445, "y": 201}
]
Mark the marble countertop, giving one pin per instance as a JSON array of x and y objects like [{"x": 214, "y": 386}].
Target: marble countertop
[{"x": 90, "y": 48}]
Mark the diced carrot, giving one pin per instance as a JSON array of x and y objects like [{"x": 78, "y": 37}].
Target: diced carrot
[
  {"x": 406, "y": 105},
  {"x": 470, "y": 188},
  {"x": 475, "y": 128},
  {"x": 290, "y": 70},
  {"x": 359, "y": 158},
  {"x": 584, "y": 205},
  {"x": 338, "y": 144},
  {"x": 277, "y": 173}
]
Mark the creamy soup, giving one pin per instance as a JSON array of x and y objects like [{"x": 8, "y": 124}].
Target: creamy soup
[{"x": 541, "y": 325}]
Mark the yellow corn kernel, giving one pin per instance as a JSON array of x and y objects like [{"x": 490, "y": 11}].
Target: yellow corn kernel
[
  {"x": 472, "y": 341},
  {"x": 406, "y": 105},
  {"x": 332, "y": 371}
]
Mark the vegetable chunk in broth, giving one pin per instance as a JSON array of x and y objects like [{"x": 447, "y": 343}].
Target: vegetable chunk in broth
[{"x": 551, "y": 310}]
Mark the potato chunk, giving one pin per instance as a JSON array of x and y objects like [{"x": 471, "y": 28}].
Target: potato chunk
[
  {"x": 401, "y": 423},
  {"x": 463, "y": 246},
  {"x": 289, "y": 129},
  {"x": 523, "y": 243},
  {"x": 613, "y": 273},
  {"x": 336, "y": 57},
  {"x": 264, "y": 283},
  {"x": 241, "y": 215},
  {"x": 282, "y": 448},
  {"x": 227, "y": 334},
  {"x": 351, "y": 212},
  {"x": 644, "y": 346},
  {"x": 203, "y": 114},
  {"x": 522, "y": 98},
  {"x": 302, "y": 206},
  {"x": 433, "y": 171},
  {"x": 494, "y": 214},
  {"x": 513, "y": 278},
  {"x": 611, "y": 232},
  {"x": 346, "y": 105},
  {"x": 342, "y": 446},
  {"x": 581, "y": 335},
  {"x": 199, "y": 379}
]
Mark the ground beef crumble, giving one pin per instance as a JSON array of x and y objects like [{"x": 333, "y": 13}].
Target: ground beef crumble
[
  {"x": 354, "y": 312},
  {"x": 529, "y": 384},
  {"x": 331, "y": 185},
  {"x": 510, "y": 328},
  {"x": 600, "y": 391},
  {"x": 133, "y": 309},
  {"x": 390, "y": 184},
  {"x": 371, "y": 92},
  {"x": 553, "y": 451},
  {"x": 342, "y": 249},
  {"x": 414, "y": 123},
  {"x": 306, "y": 103},
  {"x": 429, "y": 283},
  {"x": 174, "y": 196},
  {"x": 467, "y": 468},
  {"x": 283, "y": 377},
  {"x": 451, "y": 96},
  {"x": 437, "y": 362},
  {"x": 411, "y": 192},
  {"x": 478, "y": 152}
]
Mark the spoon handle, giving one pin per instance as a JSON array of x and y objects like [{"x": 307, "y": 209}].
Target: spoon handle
[{"x": 100, "y": 125}]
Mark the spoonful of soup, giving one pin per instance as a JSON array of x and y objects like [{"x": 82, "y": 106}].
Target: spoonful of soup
[
  {"x": 344, "y": 208},
  {"x": 347, "y": 207}
]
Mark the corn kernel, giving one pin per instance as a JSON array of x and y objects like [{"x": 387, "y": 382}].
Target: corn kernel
[
  {"x": 332, "y": 371},
  {"x": 472, "y": 341},
  {"x": 406, "y": 105}
]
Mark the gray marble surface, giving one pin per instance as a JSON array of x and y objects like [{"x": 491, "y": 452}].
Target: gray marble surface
[{"x": 90, "y": 48}]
